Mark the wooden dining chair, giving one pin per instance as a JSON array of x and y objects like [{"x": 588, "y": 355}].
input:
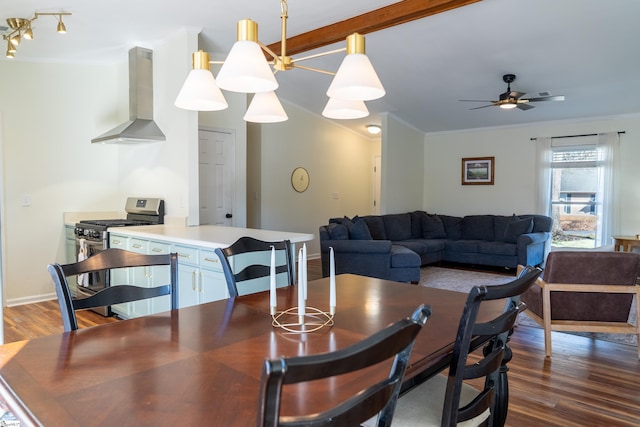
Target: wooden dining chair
[
  {"x": 247, "y": 265},
  {"x": 393, "y": 343},
  {"x": 448, "y": 400},
  {"x": 111, "y": 258}
]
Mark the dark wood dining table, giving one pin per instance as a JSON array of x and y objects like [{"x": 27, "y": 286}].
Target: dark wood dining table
[{"x": 201, "y": 365}]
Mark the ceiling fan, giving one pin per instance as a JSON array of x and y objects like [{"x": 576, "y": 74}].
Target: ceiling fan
[{"x": 512, "y": 99}]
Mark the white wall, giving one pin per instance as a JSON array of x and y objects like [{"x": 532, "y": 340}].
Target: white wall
[
  {"x": 515, "y": 174},
  {"x": 339, "y": 163},
  {"x": 402, "y": 166},
  {"x": 50, "y": 113}
]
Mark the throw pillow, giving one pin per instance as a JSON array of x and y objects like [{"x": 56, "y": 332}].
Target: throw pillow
[
  {"x": 338, "y": 231},
  {"x": 516, "y": 227},
  {"x": 358, "y": 229},
  {"x": 432, "y": 227}
]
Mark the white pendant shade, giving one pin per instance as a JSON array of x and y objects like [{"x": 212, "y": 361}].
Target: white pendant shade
[
  {"x": 341, "y": 109},
  {"x": 356, "y": 80},
  {"x": 199, "y": 92},
  {"x": 246, "y": 70},
  {"x": 265, "y": 108}
]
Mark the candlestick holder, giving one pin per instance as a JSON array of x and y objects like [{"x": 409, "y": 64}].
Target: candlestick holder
[{"x": 313, "y": 320}]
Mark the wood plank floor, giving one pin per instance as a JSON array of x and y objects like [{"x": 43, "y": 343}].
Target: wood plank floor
[{"x": 586, "y": 383}]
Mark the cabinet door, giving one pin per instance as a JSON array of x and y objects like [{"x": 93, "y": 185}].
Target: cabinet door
[
  {"x": 139, "y": 276},
  {"x": 119, "y": 276},
  {"x": 188, "y": 285},
  {"x": 213, "y": 284},
  {"x": 159, "y": 275},
  {"x": 188, "y": 275}
]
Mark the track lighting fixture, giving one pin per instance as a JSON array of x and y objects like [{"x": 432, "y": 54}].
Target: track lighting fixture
[
  {"x": 22, "y": 28},
  {"x": 246, "y": 70}
]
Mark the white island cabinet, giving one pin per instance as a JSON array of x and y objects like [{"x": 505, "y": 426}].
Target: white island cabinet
[{"x": 200, "y": 276}]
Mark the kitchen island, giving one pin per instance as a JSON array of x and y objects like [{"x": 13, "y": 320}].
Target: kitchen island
[{"x": 200, "y": 276}]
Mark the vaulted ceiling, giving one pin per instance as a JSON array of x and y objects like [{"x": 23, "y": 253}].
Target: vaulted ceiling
[{"x": 442, "y": 51}]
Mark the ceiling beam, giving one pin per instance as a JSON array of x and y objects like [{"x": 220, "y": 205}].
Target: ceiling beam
[{"x": 379, "y": 19}]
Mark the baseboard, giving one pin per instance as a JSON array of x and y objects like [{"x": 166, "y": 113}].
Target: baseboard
[{"x": 30, "y": 300}]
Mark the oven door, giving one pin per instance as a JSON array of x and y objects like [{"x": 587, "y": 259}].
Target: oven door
[{"x": 89, "y": 283}]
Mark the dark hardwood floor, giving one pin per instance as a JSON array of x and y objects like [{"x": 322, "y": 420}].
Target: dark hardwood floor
[{"x": 586, "y": 383}]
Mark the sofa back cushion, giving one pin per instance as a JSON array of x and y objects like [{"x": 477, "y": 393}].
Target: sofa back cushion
[
  {"x": 358, "y": 229},
  {"x": 337, "y": 231},
  {"x": 416, "y": 223},
  {"x": 541, "y": 223},
  {"x": 515, "y": 227},
  {"x": 376, "y": 227},
  {"x": 452, "y": 226},
  {"x": 397, "y": 226},
  {"x": 432, "y": 227},
  {"x": 477, "y": 227}
]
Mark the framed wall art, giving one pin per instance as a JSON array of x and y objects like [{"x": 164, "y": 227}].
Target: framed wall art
[{"x": 478, "y": 170}]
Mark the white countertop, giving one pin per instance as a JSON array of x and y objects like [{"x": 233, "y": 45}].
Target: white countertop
[{"x": 211, "y": 236}]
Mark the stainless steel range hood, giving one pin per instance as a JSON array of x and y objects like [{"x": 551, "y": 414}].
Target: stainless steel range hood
[{"x": 140, "y": 127}]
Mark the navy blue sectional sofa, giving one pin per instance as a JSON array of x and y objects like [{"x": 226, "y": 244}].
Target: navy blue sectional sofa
[{"x": 394, "y": 246}]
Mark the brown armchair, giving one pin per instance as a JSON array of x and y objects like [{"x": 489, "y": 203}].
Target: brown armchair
[{"x": 586, "y": 292}]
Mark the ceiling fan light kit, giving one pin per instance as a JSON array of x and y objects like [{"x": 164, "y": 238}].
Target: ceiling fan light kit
[
  {"x": 22, "y": 28},
  {"x": 513, "y": 99},
  {"x": 246, "y": 70}
]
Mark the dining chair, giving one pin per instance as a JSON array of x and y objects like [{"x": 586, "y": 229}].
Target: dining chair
[
  {"x": 248, "y": 259},
  {"x": 108, "y": 259},
  {"x": 392, "y": 344},
  {"x": 587, "y": 291},
  {"x": 446, "y": 400}
]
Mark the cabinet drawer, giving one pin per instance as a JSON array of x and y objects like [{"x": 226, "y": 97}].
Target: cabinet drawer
[
  {"x": 140, "y": 246},
  {"x": 209, "y": 259},
  {"x": 158, "y": 248},
  {"x": 119, "y": 242},
  {"x": 187, "y": 254}
]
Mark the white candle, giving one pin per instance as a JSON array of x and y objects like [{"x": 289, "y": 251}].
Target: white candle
[
  {"x": 272, "y": 282},
  {"x": 304, "y": 270},
  {"x": 301, "y": 310},
  {"x": 332, "y": 282}
]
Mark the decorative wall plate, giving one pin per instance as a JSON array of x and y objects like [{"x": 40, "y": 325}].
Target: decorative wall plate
[{"x": 300, "y": 179}]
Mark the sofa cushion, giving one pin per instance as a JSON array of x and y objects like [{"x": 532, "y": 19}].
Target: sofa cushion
[
  {"x": 477, "y": 227},
  {"x": 497, "y": 248},
  {"x": 499, "y": 225},
  {"x": 397, "y": 226},
  {"x": 422, "y": 246},
  {"x": 358, "y": 229},
  {"x": 337, "y": 231},
  {"x": 376, "y": 226},
  {"x": 452, "y": 226},
  {"x": 416, "y": 223},
  {"x": 432, "y": 227},
  {"x": 465, "y": 246},
  {"x": 516, "y": 227},
  {"x": 403, "y": 257}
]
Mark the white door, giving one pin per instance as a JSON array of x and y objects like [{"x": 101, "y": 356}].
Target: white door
[
  {"x": 217, "y": 173},
  {"x": 377, "y": 162}
]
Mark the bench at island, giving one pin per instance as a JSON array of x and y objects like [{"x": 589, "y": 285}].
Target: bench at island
[{"x": 200, "y": 276}]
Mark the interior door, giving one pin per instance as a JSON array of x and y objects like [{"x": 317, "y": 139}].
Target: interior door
[
  {"x": 216, "y": 176},
  {"x": 377, "y": 164}
]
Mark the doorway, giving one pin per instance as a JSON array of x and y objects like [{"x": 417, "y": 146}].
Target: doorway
[
  {"x": 377, "y": 164},
  {"x": 216, "y": 173}
]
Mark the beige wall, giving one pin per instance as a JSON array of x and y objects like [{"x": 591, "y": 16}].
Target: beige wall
[
  {"x": 515, "y": 174},
  {"x": 339, "y": 163}
]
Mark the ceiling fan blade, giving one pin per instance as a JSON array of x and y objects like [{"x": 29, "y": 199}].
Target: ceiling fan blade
[
  {"x": 547, "y": 98},
  {"x": 484, "y": 106},
  {"x": 476, "y": 100},
  {"x": 524, "y": 107}
]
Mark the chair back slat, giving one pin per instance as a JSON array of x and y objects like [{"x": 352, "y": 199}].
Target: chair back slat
[
  {"x": 248, "y": 259},
  {"x": 109, "y": 259},
  {"x": 393, "y": 343}
]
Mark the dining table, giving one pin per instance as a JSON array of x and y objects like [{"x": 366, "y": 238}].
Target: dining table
[{"x": 202, "y": 365}]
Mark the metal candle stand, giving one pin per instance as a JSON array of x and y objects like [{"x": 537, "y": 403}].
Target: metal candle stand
[{"x": 313, "y": 321}]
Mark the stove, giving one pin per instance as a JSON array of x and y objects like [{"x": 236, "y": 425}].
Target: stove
[{"x": 92, "y": 237}]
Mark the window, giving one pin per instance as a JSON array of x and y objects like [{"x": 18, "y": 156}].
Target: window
[
  {"x": 574, "y": 185},
  {"x": 576, "y": 178}
]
